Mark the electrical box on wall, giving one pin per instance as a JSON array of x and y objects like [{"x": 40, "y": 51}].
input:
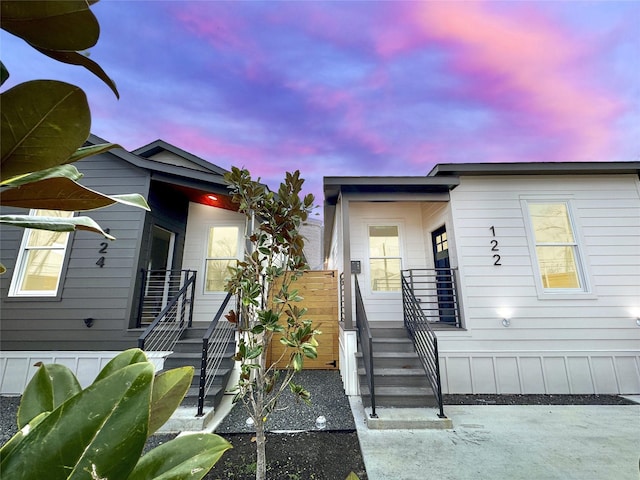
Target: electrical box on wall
[{"x": 355, "y": 266}]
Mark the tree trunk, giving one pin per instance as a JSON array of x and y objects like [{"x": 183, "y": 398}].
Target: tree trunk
[{"x": 261, "y": 457}]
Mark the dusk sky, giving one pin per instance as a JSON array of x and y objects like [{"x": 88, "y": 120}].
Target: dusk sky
[{"x": 362, "y": 88}]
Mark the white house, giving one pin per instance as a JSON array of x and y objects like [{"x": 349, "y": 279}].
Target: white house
[{"x": 528, "y": 273}]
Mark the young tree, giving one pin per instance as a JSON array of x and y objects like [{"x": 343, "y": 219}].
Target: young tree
[{"x": 263, "y": 283}]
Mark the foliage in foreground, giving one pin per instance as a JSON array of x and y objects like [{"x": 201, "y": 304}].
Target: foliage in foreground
[
  {"x": 263, "y": 282},
  {"x": 45, "y": 123},
  {"x": 99, "y": 432}
]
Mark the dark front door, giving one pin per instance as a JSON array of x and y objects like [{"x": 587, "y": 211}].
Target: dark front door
[{"x": 444, "y": 279}]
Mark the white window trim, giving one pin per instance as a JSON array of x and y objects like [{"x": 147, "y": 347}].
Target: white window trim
[
  {"x": 240, "y": 249},
  {"x": 20, "y": 267},
  {"x": 585, "y": 291},
  {"x": 384, "y": 223}
]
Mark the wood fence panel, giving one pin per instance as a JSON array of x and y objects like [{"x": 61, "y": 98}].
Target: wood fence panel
[{"x": 320, "y": 291}]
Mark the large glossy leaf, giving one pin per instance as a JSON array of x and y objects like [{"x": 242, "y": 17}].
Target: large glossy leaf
[
  {"x": 66, "y": 171},
  {"x": 187, "y": 456},
  {"x": 43, "y": 123},
  {"x": 61, "y": 193},
  {"x": 76, "y": 58},
  {"x": 123, "y": 359},
  {"x": 84, "y": 152},
  {"x": 100, "y": 432},
  {"x": 14, "y": 441},
  {"x": 54, "y": 224},
  {"x": 68, "y": 25},
  {"x": 50, "y": 387},
  {"x": 169, "y": 388}
]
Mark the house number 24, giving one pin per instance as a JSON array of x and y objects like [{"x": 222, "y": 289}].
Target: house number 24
[
  {"x": 103, "y": 249},
  {"x": 494, "y": 247}
]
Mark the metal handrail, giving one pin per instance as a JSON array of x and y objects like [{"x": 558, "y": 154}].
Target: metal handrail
[
  {"x": 424, "y": 340},
  {"x": 167, "y": 327},
  {"x": 366, "y": 344},
  {"x": 436, "y": 291},
  {"x": 214, "y": 343}
]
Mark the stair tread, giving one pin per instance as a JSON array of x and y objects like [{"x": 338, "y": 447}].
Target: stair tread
[
  {"x": 395, "y": 371},
  {"x": 384, "y": 390}
]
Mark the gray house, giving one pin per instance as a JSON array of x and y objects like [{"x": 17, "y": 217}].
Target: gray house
[{"x": 78, "y": 299}]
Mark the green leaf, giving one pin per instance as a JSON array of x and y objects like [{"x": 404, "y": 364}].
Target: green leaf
[
  {"x": 4, "y": 73},
  {"x": 66, "y": 171},
  {"x": 120, "y": 361},
  {"x": 14, "y": 441},
  {"x": 169, "y": 388},
  {"x": 54, "y": 224},
  {"x": 76, "y": 58},
  {"x": 187, "y": 456},
  {"x": 61, "y": 193},
  {"x": 103, "y": 430},
  {"x": 352, "y": 476},
  {"x": 43, "y": 123},
  {"x": 50, "y": 386},
  {"x": 68, "y": 25},
  {"x": 3, "y": 269},
  {"x": 90, "y": 150}
]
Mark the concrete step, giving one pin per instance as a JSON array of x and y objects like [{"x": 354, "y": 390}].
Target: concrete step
[
  {"x": 393, "y": 345},
  {"x": 406, "y": 418},
  {"x": 393, "y": 360}
]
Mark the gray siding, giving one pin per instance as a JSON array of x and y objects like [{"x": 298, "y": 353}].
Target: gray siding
[{"x": 88, "y": 291}]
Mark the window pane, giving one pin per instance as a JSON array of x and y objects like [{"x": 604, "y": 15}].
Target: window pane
[
  {"x": 44, "y": 238},
  {"x": 383, "y": 242},
  {"x": 223, "y": 242},
  {"x": 551, "y": 223},
  {"x": 558, "y": 267},
  {"x": 217, "y": 274},
  {"x": 42, "y": 270},
  {"x": 385, "y": 275}
]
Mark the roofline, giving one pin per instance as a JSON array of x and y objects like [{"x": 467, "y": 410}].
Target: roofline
[
  {"x": 158, "y": 145},
  {"x": 534, "y": 168},
  {"x": 163, "y": 168}
]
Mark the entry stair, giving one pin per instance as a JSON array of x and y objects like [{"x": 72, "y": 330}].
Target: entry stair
[
  {"x": 188, "y": 352},
  {"x": 404, "y": 398}
]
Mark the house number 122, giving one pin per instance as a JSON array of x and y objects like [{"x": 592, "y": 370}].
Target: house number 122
[{"x": 494, "y": 247}]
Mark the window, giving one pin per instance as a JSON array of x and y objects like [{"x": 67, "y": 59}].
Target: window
[
  {"x": 40, "y": 260},
  {"x": 556, "y": 248},
  {"x": 222, "y": 253},
  {"x": 384, "y": 258}
]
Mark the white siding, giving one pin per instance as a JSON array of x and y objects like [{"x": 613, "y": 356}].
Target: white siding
[
  {"x": 581, "y": 343},
  {"x": 201, "y": 218}
]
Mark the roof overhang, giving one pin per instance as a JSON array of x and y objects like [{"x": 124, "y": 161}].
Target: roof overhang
[{"x": 535, "y": 168}]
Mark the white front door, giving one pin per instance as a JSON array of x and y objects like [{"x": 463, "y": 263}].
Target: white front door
[{"x": 214, "y": 240}]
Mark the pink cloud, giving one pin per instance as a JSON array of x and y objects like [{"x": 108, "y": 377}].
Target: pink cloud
[{"x": 527, "y": 66}]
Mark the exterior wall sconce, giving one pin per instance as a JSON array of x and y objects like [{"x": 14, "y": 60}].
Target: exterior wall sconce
[
  {"x": 506, "y": 322},
  {"x": 638, "y": 321},
  {"x": 88, "y": 322}
]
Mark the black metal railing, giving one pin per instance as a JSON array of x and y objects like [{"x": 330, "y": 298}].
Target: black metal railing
[
  {"x": 342, "y": 297},
  {"x": 157, "y": 289},
  {"x": 214, "y": 344},
  {"x": 167, "y": 327},
  {"x": 366, "y": 345},
  {"x": 424, "y": 340},
  {"x": 435, "y": 290}
]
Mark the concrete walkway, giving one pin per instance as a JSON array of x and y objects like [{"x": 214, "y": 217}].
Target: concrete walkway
[{"x": 592, "y": 442}]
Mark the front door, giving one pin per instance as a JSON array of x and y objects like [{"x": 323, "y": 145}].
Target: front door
[
  {"x": 158, "y": 287},
  {"x": 444, "y": 279}
]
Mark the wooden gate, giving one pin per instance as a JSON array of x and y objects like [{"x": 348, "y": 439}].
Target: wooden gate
[{"x": 320, "y": 291}]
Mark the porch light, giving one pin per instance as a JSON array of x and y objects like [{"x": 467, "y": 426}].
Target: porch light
[
  {"x": 506, "y": 322},
  {"x": 212, "y": 198},
  {"x": 638, "y": 321}
]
